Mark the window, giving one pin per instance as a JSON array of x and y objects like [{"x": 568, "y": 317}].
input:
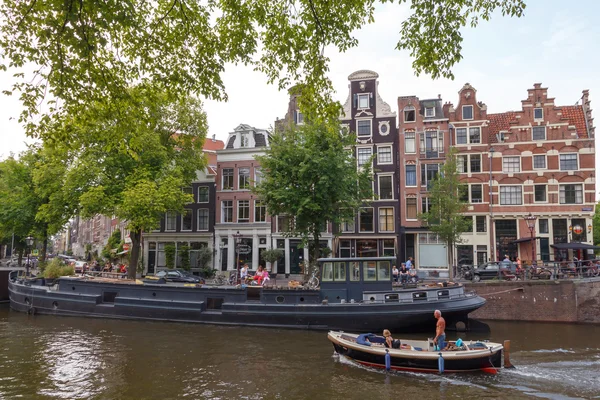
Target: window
[
  {"x": 384, "y": 155},
  {"x": 243, "y": 211},
  {"x": 186, "y": 220},
  {"x": 366, "y": 220},
  {"x": 411, "y": 175},
  {"x": 475, "y": 135},
  {"x": 348, "y": 226},
  {"x": 244, "y": 142},
  {"x": 411, "y": 208},
  {"x": 363, "y": 155},
  {"x": 203, "y": 219},
  {"x": 299, "y": 118},
  {"x": 511, "y": 195},
  {"x": 409, "y": 114},
  {"x": 425, "y": 205},
  {"x": 476, "y": 193},
  {"x": 539, "y": 193},
  {"x": 462, "y": 166},
  {"x": 538, "y": 133},
  {"x": 258, "y": 177},
  {"x": 428, "y": 173},
  {"x": 227, "y": 211},
  {"x": 539, "y": 161},
  {"x": 543, "y": 225},
  {"x": 538, "y": 113},
  {"x": 461, "y": 136},
  {"x": 429, "y": 112},
  {"x": 285, "y": 223},
  {"x": 385, "y": 187},
  {"x": 409, "y": 142},
  {"x": 227, "y": 178},
  {"x": 363, "y": 128},
  {"x": 369, "y": 268},
  {"x": 468, "y": 225},
  {"x": 363, "y": 100},
  {"x": 467, "y": 112},
  {"x": 202, "y": 194},
  {"x": 389, "y": 247},
  {"x": 260, "y": 211},
  {"x": 511, "y": 164},
  {"x": 346, "y": 252},
  {"x": 568, "y": 162},
  {"x": 571, "y": 194},
  {"x": 463, "y": 193},
  {"x": 475, "y": 162},
  {"x": 244, "y": 178},
  {"x": 480, "y": 224},
  {"x": 171, "y": 221},
  {"x": 386, "y": 219},
  {"x": 190, "y": 191}
]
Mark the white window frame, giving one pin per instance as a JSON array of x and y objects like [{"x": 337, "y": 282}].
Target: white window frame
[
  {"x": 207, "y": 194},
  {"x": 471, "y": 193},
  {"x": 370, "y": 128},
  {"x": 504, "y": 171},
  {"x": 299, "y": 118},
  {"x": 360, "y": 222},
  {"x": 232, "y": 178},
  {"x": 561, "y": 196},
  {"x": 416, "y": 176},
  {"x": 379, "y": 176},
  {"x": 245, "y": 220},
  {"x": 198, "y": 225},
  {"x": 546, "y": 193},
  {"x": 485, "y": 224},
  {"x": 350, "y": 224},
  {"x": 258, "y": 176},
  {"x": 409, "y": 108},
  {"x": 533, "y": 156},
  {"x": 414, "y": 140},
  {"x": 247, "y": 178},
  {"x": 568, "y": 154},
  {"x": 357, "y": 151},
  {"x": 538, "y": 118},
  {"x": 185, "y": 211},
  {"x": 173, "y": 214},
  {"x": 480, "y": 163},
  {"x": 362, "y": 96},
  {"x": 456, "y": 136},
  {"x": 223, "y": 213},
  {"x": 538, "y": 127},
  {"x": 244, "y": 140},
  {"x": 379, "y": 162},
  {"x": 460, "y": 158},
  {"x": 469, "y": 134},
  {"x": 259, "y": 205},
  {"x": 426, "y": 113},
  {"x": 393, "y": 219},
  {"x": 507, "y": 186},
  {"x": 463, "y": 112}
]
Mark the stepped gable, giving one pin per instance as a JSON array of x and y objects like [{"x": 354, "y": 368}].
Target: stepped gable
[
  {"x": 499, "y": 122},
  {"x": 575, "y": 116}
]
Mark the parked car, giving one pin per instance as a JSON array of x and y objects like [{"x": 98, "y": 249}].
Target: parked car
[
  {"x": 492, "y": 270},
  {"x": 179, "y": 275},
  {"x": 78, "y": 265}
]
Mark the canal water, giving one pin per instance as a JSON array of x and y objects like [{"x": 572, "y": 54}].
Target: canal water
[{"x": 46, "y": 357}]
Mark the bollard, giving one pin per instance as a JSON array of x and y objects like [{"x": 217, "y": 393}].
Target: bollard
[
  {"x": 388, "y": 360},
  {"x": 507, "y": 363},
  {"x": 441, "y": 364}
]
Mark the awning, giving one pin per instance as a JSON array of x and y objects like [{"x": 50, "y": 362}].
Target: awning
[
  {"x": 574, "y": 246},
  {"x": 525, "y": 239},
  {"x": 122, "y": 252}
]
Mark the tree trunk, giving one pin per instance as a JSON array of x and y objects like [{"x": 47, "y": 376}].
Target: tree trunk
[
  {"x": 20, "y": 252},
  {"x": 44, "y": 249},
  {"x": 135, "y": 253},
  {"x": 316, "y": 249}
]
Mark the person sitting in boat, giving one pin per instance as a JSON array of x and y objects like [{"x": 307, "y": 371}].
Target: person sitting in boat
[
  {"x": 390, "y": 343},
  {"x": 412, "y": 276},
  {"x": 258, "y": 276},
  {"x": 265, "y": 275},
  {"x": 244, "y": 273}
]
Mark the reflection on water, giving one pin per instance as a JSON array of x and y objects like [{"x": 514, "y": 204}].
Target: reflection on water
[{"x": 47, "y": 357}]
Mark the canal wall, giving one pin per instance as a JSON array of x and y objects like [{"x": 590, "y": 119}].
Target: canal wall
[{"x": 541, "y": 301}]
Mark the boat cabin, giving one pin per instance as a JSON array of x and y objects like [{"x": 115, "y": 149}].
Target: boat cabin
[{"x": 346, "y": 279}]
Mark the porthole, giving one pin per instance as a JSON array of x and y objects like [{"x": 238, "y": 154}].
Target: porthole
[
  {"x": 372, "y": 298},
  {"x": 73, "y": 287},
  {"x": 337, "y": 298},
  {"x": 153, "y": 294},
  {"x": 55, "y": 305},
  {"x": 301, "y": 299},
  {"x": 280, "y": 299}
]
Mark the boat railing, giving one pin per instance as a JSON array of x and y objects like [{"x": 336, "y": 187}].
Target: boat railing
[{"x": 408, "y": 300}]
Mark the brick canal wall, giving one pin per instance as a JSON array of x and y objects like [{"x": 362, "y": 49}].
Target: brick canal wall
[{"x": 541, "y": 301}]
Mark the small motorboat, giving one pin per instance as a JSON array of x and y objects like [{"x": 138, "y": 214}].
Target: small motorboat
[{"x": 420, "y": 355}]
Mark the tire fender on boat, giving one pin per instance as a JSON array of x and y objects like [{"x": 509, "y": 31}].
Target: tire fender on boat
[
  {"x": 441, "y": 363},
  {"x": 388, "y": 360}
]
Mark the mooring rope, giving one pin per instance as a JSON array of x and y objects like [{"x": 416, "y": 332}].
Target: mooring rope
[{"x": 502, "y": 291}]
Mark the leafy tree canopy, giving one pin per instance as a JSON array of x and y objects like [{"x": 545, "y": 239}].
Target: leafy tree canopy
[
  {"x": 309, "y": 172},
  {"x": 84, "y": 51}
]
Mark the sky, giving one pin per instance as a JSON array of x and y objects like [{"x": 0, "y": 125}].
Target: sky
[{"x": 555, "y": 43}]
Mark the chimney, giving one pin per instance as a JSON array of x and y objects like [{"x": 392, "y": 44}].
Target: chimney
[
  {"x": 213, "y": 138},
  {"x": 439, "y": 96}
]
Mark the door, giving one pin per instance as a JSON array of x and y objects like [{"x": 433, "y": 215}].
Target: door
[
  {"x": 545, "y": 249},
  {"x": 296, "y": 257}
]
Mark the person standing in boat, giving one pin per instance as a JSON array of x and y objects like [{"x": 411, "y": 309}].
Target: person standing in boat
[{"x": 440, "y": 330}]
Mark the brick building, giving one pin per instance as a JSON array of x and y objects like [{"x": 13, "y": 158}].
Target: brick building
[{"x": 423, "y": 145}]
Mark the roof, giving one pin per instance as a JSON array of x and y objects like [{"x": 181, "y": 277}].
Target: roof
[
  {"x": 499, "y": 122},
  {"x": 575, "y": 116},
  {"x": 230, "y": 142},
  {"x": 363, "y": 74},
  {"x": 210, "y": 144},
  {"x": 435, "y": 103},
  {"x": 259, "y": 140}
]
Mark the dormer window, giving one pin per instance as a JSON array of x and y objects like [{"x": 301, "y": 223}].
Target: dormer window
[
  {"x": 467, "y": 112},
  {"x": 429, "y": 112},
  {"x": 244, "y": 141},
  {"x": 538, "y": 113},
  {"x": 363, "y": 101},
  {"x": 410, "y": 114},
  {"x": 299, "y": 118}
]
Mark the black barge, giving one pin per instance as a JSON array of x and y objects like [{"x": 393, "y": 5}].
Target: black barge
[{"x": 356, "y": 294}]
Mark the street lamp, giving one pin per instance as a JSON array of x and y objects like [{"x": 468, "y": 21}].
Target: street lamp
[
  {"x": 531, "y": 225},
  {"x": 29, "y": 242},
  {"x": 237, "y": 238},
  {"x": 492, "y": 250}
]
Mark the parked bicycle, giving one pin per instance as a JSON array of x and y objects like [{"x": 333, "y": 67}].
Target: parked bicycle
[{"x": 313, "y": 281}]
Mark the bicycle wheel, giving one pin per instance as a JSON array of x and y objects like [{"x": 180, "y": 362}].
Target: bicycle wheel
[
  {"x": 233, "y": 278},
  {"x": 313, "y": 282}
]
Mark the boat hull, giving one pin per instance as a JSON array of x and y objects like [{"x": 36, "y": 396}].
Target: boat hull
[{"x": 301, "y": 309}]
